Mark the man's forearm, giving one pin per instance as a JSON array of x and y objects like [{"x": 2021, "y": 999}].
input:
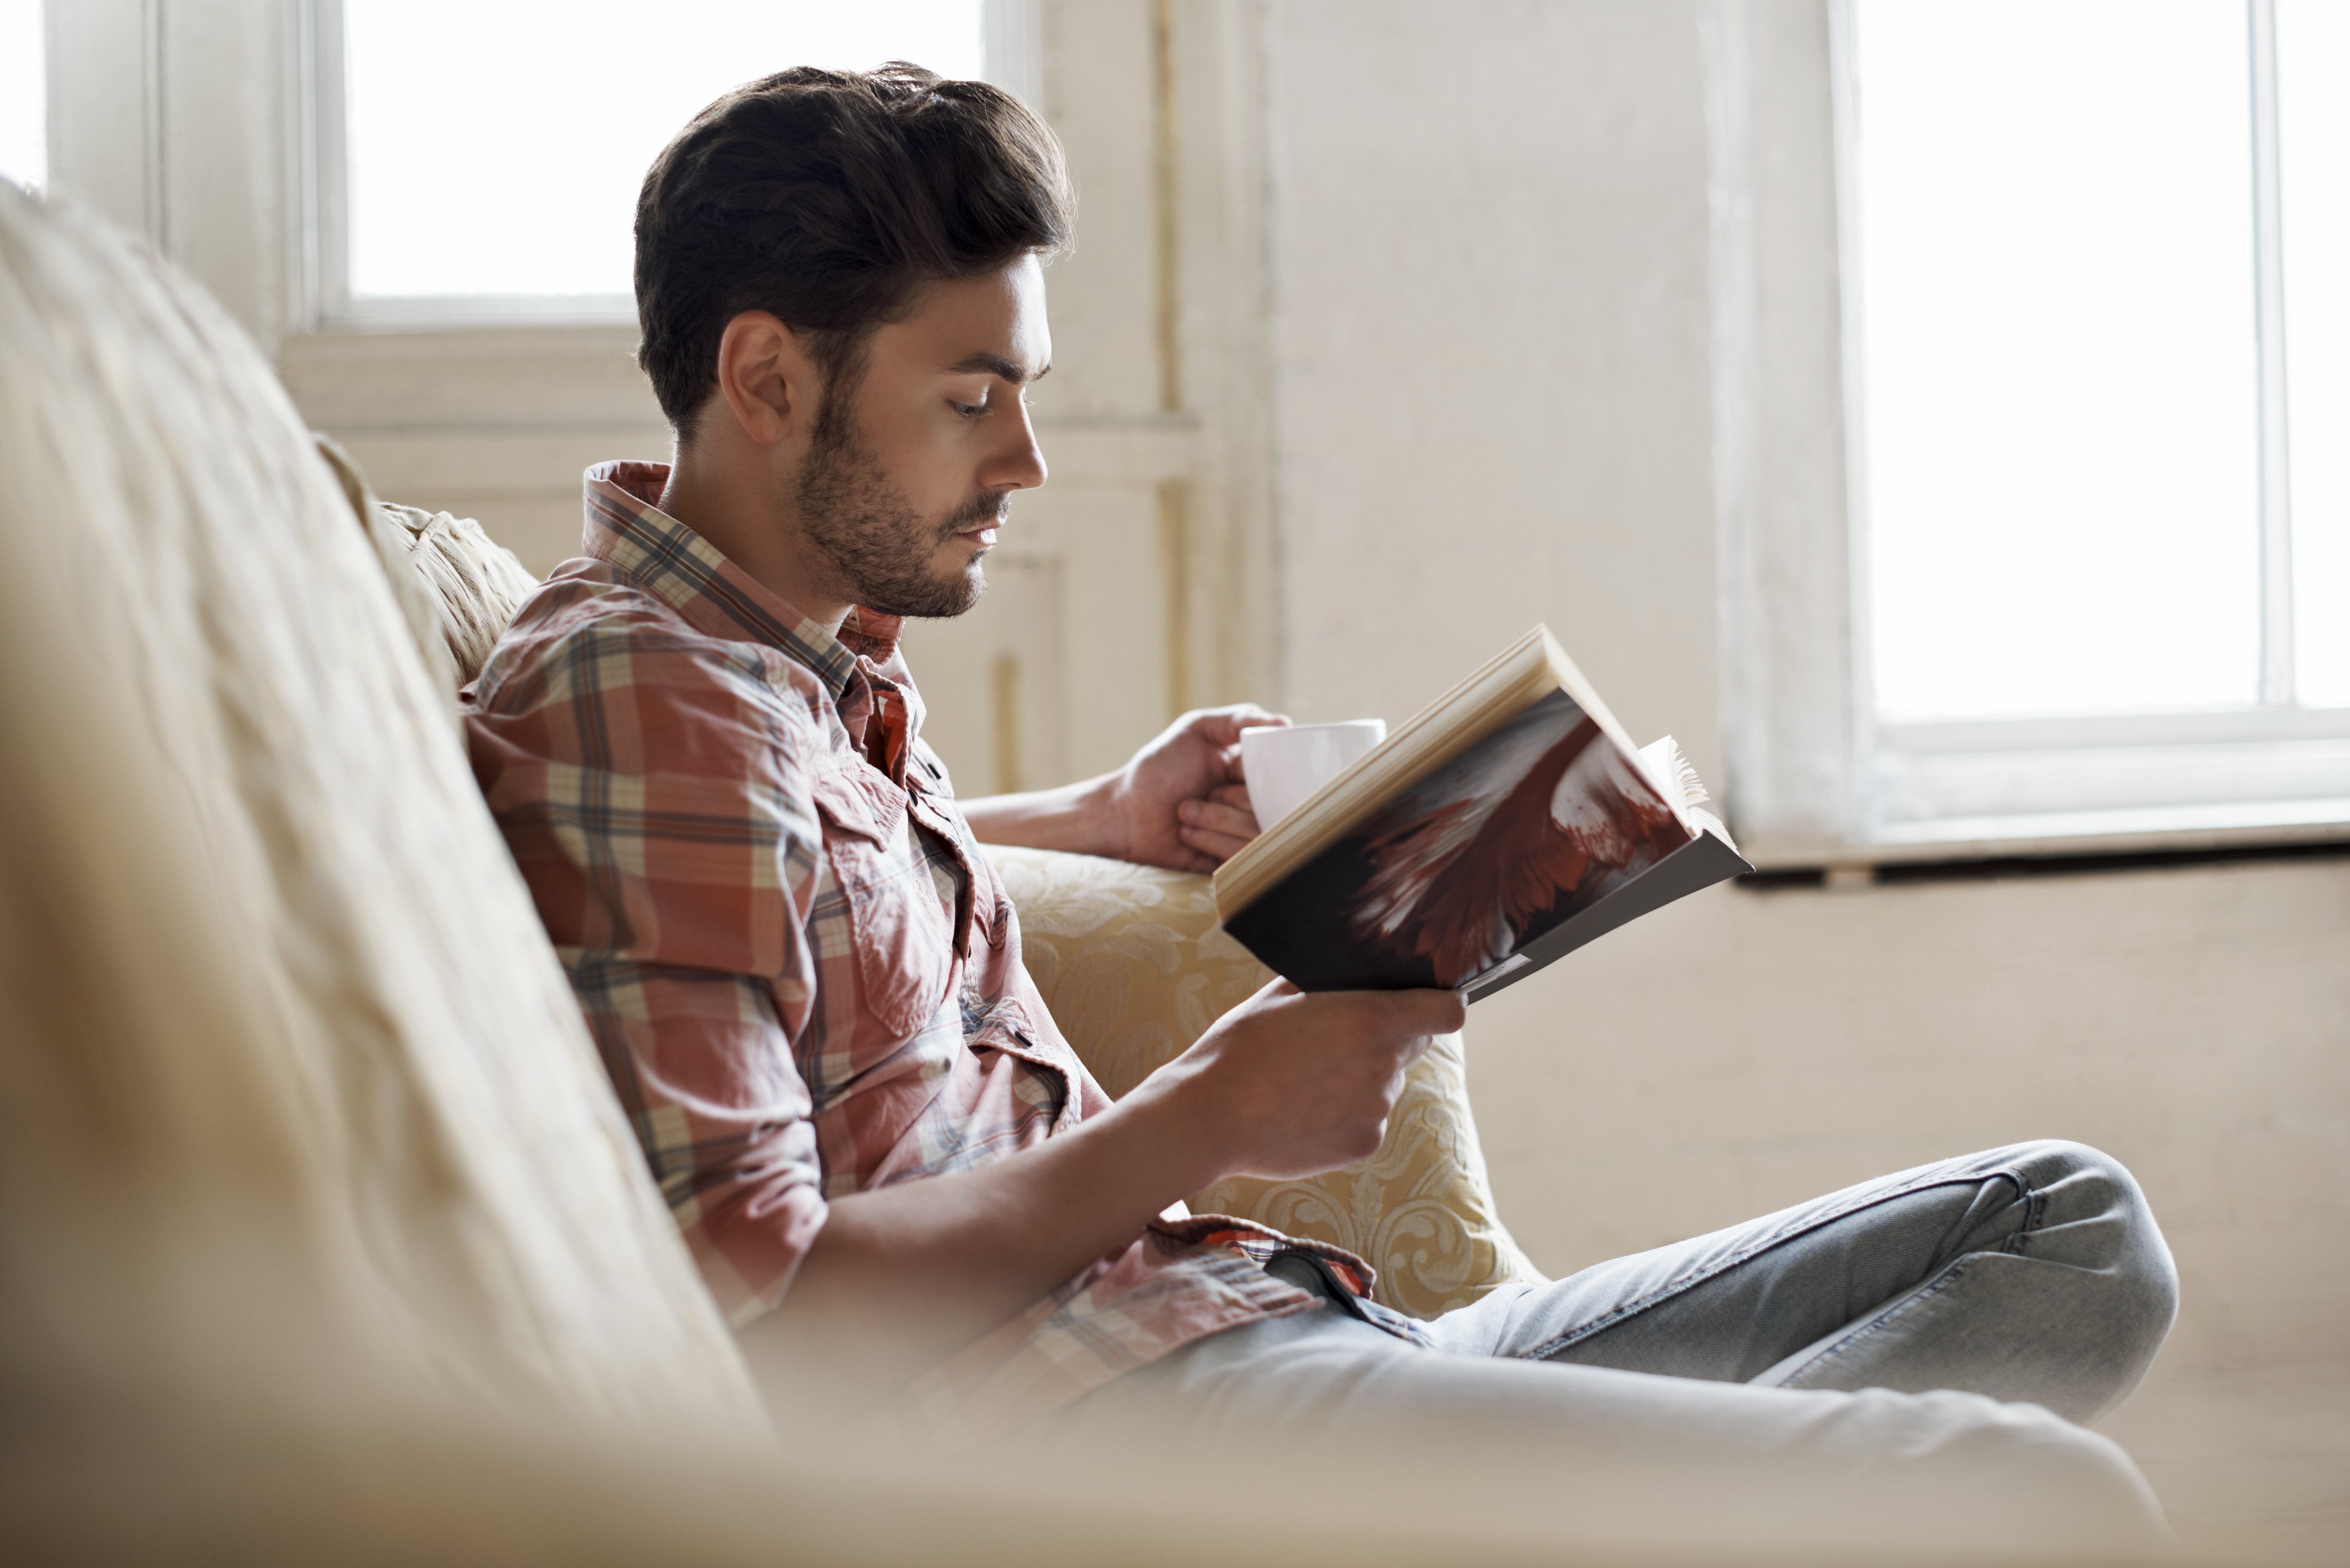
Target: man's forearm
[
  {"x": 1180, "y": 802},
  {"x": 1285, "y": 1085},
  {"x": 901, "y": 1277},
  {"x": 1078, "y": 818}
]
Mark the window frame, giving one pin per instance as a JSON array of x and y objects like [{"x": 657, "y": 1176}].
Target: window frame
[
  {"x": 1815, "y": 776},
  {"x": 1011, "y": 52}
]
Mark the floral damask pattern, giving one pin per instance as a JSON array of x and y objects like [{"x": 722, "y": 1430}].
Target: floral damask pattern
[{"x": 1134, "y": 968}]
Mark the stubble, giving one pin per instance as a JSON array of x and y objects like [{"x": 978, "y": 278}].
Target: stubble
[{"x": 872, "y": 536}]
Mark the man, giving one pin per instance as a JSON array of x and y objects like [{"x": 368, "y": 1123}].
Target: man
[{"x": 704, "y": 748}]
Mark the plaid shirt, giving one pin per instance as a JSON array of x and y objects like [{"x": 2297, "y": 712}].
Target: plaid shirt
[{"x": 802, "y": 974}]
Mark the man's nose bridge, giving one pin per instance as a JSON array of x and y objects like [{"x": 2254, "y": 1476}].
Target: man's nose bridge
[{"x": 1030, "y": 452}]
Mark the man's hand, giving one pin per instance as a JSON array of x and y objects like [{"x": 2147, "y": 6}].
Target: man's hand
[
  {"x": 1290, "y": 1084},
  {"x": 1182, "y": 803}
]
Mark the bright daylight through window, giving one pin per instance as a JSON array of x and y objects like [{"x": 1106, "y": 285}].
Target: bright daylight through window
[
  {"x": 24, "y": 95},
  {"x": 2313, "y": 114},
  {"x": 495, "y": 147},
  {"x": 2078, "y": 222}
]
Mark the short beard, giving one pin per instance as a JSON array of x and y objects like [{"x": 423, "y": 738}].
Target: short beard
[{"x": 871, "y": 535}]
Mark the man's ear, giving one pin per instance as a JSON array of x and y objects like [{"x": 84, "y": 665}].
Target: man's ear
[{"x": 766, "y": 378}]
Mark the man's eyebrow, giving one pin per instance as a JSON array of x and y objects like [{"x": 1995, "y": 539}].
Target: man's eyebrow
[{"x": 997, "y": 365}]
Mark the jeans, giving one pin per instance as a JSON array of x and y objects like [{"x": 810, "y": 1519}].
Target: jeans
[{"x": 1862, "y": 1353}]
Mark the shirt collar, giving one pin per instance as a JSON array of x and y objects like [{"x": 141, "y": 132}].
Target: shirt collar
[{"x": 625, "y": 527}]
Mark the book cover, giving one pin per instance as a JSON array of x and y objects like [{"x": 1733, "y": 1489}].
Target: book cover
[{"x": 1531, "y": 841}]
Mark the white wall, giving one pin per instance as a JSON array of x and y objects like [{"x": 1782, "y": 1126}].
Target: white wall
[
  {"x": 1492, "y": 385},
  {"x": 1490, "y": 242}
]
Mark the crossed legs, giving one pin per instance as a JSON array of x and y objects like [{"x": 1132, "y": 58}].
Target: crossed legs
[
  {"x": 1873, "y": 1346},
  {"x": 2033, "y": 1273}
]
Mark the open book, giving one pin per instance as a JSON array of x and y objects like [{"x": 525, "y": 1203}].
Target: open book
[{"x": 1504, "y": 827}]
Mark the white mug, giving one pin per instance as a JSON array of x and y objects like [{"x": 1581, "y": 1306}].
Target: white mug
[{"x": 1284, "y": 764}]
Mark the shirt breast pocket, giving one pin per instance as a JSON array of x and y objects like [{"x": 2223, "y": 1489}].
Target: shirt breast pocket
[{"x": 900, "y": 933}]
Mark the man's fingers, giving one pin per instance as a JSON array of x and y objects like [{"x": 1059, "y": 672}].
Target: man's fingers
[
  {"x": 1424, "y": 1013},
  {"x": 1224, "y": 725},
  {"x": 1236, "y": 794},
  {"x": 1218, "y": 846},
  {"x": 1213, "y": 816},
  {"x": 1443, "y": 1011},
  {"x": 1397, "y": 1013}
]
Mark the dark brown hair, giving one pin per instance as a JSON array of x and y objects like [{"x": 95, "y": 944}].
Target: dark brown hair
[{"x": 831, "y": 198}]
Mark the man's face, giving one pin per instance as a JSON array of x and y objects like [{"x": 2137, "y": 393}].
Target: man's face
[{"x": 906, "y": 480}]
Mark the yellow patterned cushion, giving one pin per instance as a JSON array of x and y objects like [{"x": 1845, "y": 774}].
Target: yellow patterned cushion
[{"x": 1134, "y": 968}]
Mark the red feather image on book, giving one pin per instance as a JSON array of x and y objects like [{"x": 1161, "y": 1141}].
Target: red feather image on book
[{"x": 1467, "y": 861}]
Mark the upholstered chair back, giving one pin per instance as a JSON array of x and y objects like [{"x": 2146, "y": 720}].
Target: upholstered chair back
[{"x": 289, "y": 1075}]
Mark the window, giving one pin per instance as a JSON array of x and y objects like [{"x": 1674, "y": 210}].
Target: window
[
  {"x": 24, "y": 95},
  {"x": 2094, "y": 276},
  {"x": 2060, "y": 374},
  {"x": 2314, "y": 155},
  {"x": 2038, "y": 536},
  {"x": 480, "y": 159}
]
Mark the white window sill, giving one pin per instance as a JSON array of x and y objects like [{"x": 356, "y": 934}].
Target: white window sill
[
  {"x": 2083, "y": 801},
  {"x": 2113, "y": 832},
  {"x": 459, "y": 313}
]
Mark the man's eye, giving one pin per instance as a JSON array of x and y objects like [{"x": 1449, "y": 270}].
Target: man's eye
[{"x": 968, "y": 410}]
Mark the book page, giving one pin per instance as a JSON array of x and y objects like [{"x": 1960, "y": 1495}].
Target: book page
[{"x": 1682, "y": 789}]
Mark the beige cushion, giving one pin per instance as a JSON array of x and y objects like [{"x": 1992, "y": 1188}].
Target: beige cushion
[
  {"x": 1134, "y": 968},
  {"x": 291, "y": 1086},
  {"x": 458, "y": 588},
  {"x": 477, "y": 583}
]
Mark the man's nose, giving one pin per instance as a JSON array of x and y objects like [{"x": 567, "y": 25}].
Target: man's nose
[{"x": 1021, "y": 465}]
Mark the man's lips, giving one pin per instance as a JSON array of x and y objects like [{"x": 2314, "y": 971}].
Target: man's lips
[{"x": 982, "y": 532}]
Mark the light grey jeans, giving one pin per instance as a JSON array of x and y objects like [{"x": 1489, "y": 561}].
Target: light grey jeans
[{"x": 1875, "y": 1342}]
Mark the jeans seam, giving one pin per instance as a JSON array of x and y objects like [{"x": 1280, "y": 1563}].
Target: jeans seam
[
  {"x": 1949, "y": 1277},
  {"x": 2035, "y": 1207}
]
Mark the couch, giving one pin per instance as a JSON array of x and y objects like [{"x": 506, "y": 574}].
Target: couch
[
  {"x": 321, "y": 1234},
  {"x": 303, "y": 1147}
]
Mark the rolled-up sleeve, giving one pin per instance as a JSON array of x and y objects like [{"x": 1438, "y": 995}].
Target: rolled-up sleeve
[{"x": 655, "y": 789}]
